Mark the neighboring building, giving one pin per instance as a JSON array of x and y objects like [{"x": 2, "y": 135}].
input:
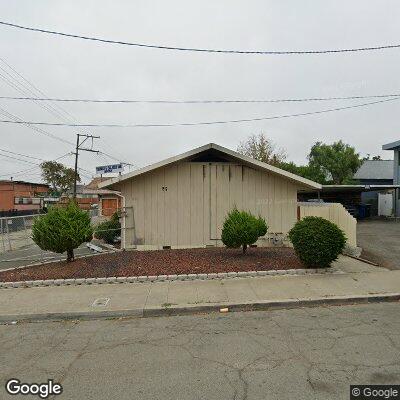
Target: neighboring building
[
  {"x": 374, "y": 181},
  {"x": 90, "y": 197},
  {"x": 22, "y": 196},
  {"x": 183, "y": 201},
  {"x": 374, "y": 172},
  {"x": 395, "y": 146}
]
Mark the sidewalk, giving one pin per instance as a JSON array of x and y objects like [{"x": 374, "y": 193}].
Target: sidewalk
[{"x": 359, "y": 283}]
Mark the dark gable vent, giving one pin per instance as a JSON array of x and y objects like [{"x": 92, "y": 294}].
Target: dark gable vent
[{"x": 211, "y": 155}]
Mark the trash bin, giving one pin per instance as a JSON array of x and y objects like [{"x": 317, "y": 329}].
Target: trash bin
[{"x": 364, "y": 211}]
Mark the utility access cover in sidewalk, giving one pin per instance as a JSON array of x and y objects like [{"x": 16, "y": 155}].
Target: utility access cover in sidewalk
[{"x": 101, "y": 302}]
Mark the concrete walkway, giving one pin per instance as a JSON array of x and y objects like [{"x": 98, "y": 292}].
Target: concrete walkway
[{"x": 358, "y": 282}]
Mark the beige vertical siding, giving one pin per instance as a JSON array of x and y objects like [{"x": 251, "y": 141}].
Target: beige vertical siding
[
  {"x": 335, "y": 213},
  {"x": 191, "y": 209}
]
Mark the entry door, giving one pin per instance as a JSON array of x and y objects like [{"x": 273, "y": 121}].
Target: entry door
[
  {"x": 109, "y": 206},
  {"x": 385, "y": 204}
]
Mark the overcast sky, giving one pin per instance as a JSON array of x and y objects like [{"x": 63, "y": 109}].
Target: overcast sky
[{"x": 64, "y": 67}]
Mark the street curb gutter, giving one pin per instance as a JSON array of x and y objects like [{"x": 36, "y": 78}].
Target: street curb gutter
[{"x": 203, "y": 308}]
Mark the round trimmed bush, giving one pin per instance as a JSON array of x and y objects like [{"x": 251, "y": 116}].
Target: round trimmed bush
[
  {"x": 317, "y": 241},
  {"x": 62, "y": 229},
  {"x": 241, "y": 228}
]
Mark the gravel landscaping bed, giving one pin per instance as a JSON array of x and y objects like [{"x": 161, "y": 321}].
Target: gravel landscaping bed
[{"x": 161, "y": 262}]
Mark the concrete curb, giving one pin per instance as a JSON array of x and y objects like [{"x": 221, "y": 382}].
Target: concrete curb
[
  {"x": 203, "y": 308},
  {"x": 183, "y": 277}
]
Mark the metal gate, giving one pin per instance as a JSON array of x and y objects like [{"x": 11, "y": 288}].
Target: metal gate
[{"x": 15, "y": 232}]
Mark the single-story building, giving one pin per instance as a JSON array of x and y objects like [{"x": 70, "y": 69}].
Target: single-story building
[{"x": 183, "y": 201}]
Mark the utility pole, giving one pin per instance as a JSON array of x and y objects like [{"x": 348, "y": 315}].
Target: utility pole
[{"x": 78, "y": 147}]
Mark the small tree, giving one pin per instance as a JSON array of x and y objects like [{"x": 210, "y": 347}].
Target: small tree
[
  {"x": 62, "y": 229},
  {"x": 262, "y": 149},
  {"x": 338, "y": 161},
  {"x": 58, "y": 176},
  {"x": 241, "y": 228}
]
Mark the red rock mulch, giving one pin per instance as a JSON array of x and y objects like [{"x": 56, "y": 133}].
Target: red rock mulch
[{"x": 161, "y": 262}]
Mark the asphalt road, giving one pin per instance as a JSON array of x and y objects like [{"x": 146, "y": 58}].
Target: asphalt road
[
  {"x": 33, "y": 254},
  {"x": 380, "y": 240},
  {"x": 309, "y": 353}
]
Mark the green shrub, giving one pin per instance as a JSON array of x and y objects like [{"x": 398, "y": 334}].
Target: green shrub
[
  {"x": 317, "y": 241},
  {"x": 62, "y": 229},
  {"x": 109, "y": 230},
  {"x": 241, "y": 228}
]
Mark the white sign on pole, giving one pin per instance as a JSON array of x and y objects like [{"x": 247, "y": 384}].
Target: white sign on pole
[{"x": 109, "y": 169}]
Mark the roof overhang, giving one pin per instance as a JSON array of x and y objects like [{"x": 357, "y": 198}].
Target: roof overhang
[
  {"x": 306, "y": 183},
  {"x": 356, "y": 188},
  {"x": 391, "y": 146}
]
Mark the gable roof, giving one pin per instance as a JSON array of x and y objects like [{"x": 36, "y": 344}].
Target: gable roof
[
  {"x": 375, "y": 169},
  {"x": 217, "y": 151}
]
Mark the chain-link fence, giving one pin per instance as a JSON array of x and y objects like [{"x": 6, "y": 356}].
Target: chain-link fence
[
  {"x": 16, "y": 232},
  {"x": 17, "y": 247}
]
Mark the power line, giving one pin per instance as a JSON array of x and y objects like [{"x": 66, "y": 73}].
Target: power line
[
  {"x": 33, "y": 168},
  {"x": 233, "y": 121},
  {"x": 18, "y": 159},
  {"x": 16, "y": 80},
  {"x": 212, "y": 101},
  {"x": 25, "y": 87},
  {"x": 85, "y": 173},
  {"x": 28, "y": 156},
  {"x": 36, "y": 158},
  {"x": 20, "y": 154},
  {"x": 201, "y": 50},
  {"x": 58, "y": 110},
  {"x": 116, "y": 159},
  {"x": 19, "y": 120}
]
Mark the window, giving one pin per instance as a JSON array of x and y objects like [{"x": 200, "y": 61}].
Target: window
[{"x": 27, "y": 200}]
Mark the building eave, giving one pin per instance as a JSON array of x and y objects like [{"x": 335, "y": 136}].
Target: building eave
[{"x": 391, "y": 146}]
